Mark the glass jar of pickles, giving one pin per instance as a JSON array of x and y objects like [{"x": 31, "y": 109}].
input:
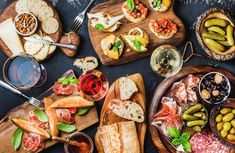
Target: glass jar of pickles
[{"x": 166, "y": 61}]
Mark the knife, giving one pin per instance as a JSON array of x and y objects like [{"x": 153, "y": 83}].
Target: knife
[{"x": 46, "y": 42}]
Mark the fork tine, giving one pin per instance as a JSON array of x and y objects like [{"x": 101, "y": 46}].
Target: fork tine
[
  {"x": 75, "y": 23},
  {"x": 76, "y": 26}
]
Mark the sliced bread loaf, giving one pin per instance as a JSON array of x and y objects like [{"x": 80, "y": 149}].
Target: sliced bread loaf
[{"x": 127, "y": 88}]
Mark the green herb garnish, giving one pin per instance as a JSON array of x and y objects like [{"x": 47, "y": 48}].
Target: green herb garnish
[
  {"x": 83, "y": 111},
  {"x": 137, "y": 45},
  {"x": 17, "y": 138},
  {"x": 117, "y": 45},
  {"x": 65, "y": 127},
  {"x": 41, "y": 115},
  {"x": 157, "y": 3},
  {"x": 131, "y": 4},
  {"x": 99, "y": 27},
  {"x": 68, "y": 80},
  {"x": 179, "y": 138}
]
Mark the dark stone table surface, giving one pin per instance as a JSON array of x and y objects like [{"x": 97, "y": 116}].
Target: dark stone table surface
[{"x": 59, "y": 63}]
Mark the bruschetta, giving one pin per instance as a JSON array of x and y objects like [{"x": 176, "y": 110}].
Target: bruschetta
[
  {"x": 137, "y": 39},
  {"x": 134, "y": 11},
  {"x": 112, "y": 46},
  {"x": 163, "y": 29},
  {"x": 160, "y": 5},
  {"x": 105, "y": 22}
]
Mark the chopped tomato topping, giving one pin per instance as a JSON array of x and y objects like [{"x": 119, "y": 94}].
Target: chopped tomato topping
[
  {"x": 140, "y": 10},
  {"x": 163, "y": 26}
]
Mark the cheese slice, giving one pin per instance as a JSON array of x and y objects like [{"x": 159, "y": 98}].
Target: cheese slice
[{"x": 10, "y": 37}]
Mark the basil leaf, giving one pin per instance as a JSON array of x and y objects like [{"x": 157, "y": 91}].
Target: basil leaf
[
  {"x": 131, "y": 4},
  {"x": 157, "y": 3},
  {"x": 137, "y": 44},
  {"x": 173, "y": 132},
  {"x": 65, "y": 81},
  {"x": 65, "y": 127},
  {"x": 99, "y": 27},
  {"x": 185, "y": 136},
  {"x": 186, "y": 146},
  {"x": 60, "y": 80},
  {"x": 83, "y": 111},
  {"x": 41, "y": 115},
  {"x": 117, "y": 45},
  {"x": 17, "y": 138},
  {"x": 176, "y": 141}
]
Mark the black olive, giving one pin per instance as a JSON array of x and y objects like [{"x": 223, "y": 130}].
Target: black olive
[
  {"x": 222, "y": 93},
  {"x": 203, "y": 86},
  {"x": 110, "y": 46},
  {"x": 218, "y": 99},
  {"x": 209, "y": 89}
]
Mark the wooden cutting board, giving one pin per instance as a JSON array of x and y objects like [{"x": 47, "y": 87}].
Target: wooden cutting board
[
  {"x": 114, "y": 8},
  {"x": 158, "y": 139},
  {"x": 10, "y": 12},
  {"x": 7, "y": 127},
  {"x": 107, "y": 117}
]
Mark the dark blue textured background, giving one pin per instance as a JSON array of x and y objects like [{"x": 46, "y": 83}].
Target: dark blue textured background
[{"x": 59, "y": 63}]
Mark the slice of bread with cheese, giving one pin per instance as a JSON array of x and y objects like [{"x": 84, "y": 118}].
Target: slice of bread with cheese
[
  {"x": 10, "y": 38},
  {"x": 120, "y": 137},
  {"x": 127, "y": 88},
  {"x": 127, "y": 109}
]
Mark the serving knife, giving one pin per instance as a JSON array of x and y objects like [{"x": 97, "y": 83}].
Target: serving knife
[{"x": 46, "y": 42}]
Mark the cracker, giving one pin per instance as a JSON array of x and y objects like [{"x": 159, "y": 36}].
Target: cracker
[
  {"x": 21, "y": 6},
  {"x": 45, "y": 13},
  {"x": 50, "y": 25},
  {"x": 37, "y": 7}
]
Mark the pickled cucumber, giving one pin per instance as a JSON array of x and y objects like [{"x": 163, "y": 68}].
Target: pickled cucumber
[
  {"x": 230, "y": 31},
  {"x": 214, "y": 46},
  {"x": 201, "y": 115},
  {"x": 218, "y": 118},
  {"x": 231, "y": 137},
  {"x": 197, "y": 128},
  {"x": 214, "y": 36},
  {"x": 193, "y": 109},
  {"x": 188, "y": 117},
  {"x": 228, "y": 117},
  {"x": 216, "y": 22},
  {"x": 196, "y": 123},
  {"x": 217, "y": 30},
  {"x": 225, "y": 43},
  {"x": 225, "y": 110},
  {"x": 227, "y": 126}
]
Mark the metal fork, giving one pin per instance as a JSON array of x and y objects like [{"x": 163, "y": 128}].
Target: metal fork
[
  {"x": 31, "y": 100},
  {"x": 80, "y": 18},
  {"x": 169, "y": 139}
]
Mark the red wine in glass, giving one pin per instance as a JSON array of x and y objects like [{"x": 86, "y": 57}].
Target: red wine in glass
[
  {"x": 24, "y": 72},
  {"x": 94, "y": 85}
]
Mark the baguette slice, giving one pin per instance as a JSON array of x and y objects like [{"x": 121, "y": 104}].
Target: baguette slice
[
  {"x": 127, "y": 88},
  {"x": 87, "y": 63},
  {"x": 119, "y": 137},
  {"x": 127, "y": 109}
]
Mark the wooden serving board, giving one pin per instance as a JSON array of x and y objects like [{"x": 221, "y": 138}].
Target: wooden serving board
[
  {"x": 10, "y": 12},
  {"x": 158, "y": 139},
  {"x": 107, "y": 117},
  {"x": 113, "y": 7},
  {"x": 7, "y": 127}
]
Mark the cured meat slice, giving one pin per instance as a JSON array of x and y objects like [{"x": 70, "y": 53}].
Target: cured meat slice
[
  {"x": 35, "y": 121},
  {"x": 178, "y": 92},
  {"x": 191, "y": 81},
  {"x": 169, "y": 106},
  {"x": 66, "y": 115},
  {"x": 191, "y": 95},
  {"x": 61, "y": 89},
  {"x": 33, "y": 142},
  {"x": 206, "y": 142}
]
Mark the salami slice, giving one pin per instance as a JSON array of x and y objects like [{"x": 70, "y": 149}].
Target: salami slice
[
  {"x": 33, "y": 142},
  {"x": 66, "y": 115}
]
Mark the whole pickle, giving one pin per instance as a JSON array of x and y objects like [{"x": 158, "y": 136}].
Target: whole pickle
[
  {"x": 225, "y": 43},
  {"x": 196, "y": 123},
  {"x": 214, "y": 46},
  {"x": 230, "y": 31},
  {"x": 216, "y": 22},
  {"x": 214, "y": 36},
  {"x": 193, "y": 109},
  {"x": 197, "y": 128},
  {"x": 188, "y": 117},
  {"x": 217, "y": 30}
]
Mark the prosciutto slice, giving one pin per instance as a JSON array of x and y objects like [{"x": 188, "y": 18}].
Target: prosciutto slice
[
  {"x": 35, "y": 121},
  {"x": 66, "y": 115},
  {"x": 168, "y": 116},
  {"x": 33, "y": 142}
]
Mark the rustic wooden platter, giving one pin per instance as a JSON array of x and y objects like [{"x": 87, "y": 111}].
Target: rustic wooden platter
[
  {"x": 114, "y": 7},
  {"x": 10, "y": 12},
  {"x": 230, "y": 54},
  {"x": 162, "y": 145},
  {"x": 7, "y": 127},
  {"x": 107, "y": 118}
]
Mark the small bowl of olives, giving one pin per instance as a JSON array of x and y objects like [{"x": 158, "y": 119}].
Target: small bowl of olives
[
  {"x": 214, "y": 88},
  {"x": 222, "y": 122}
]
